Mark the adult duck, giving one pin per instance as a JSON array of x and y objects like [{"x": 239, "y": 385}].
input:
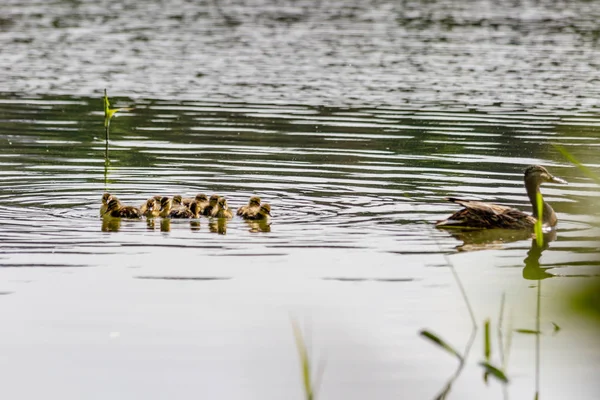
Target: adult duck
[{"x": 480, "y": 215}]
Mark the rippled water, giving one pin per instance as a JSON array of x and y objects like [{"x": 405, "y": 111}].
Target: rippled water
[{"x": 354, "y": 121}]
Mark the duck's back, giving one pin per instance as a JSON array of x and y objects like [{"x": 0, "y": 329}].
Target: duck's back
[{"x": 480, "y": 215}]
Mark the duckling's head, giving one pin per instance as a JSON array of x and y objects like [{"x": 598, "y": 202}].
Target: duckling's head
[
  {"x": 201, "y": 197},
  {"x": 265, "y": 209},
  {"x": 165, "y": 203},
  {"x": 254, "y": 201},
  {"x": 151, "y": 204},
  {"x": 177, "y": 199},
  {"x": 536, "y": 175},
  {"x": 106, "y": 197},
  {"x": 214, "y": 200},
  {"x": 113, "y": 204},
  {"x": 223, "y": 203}
]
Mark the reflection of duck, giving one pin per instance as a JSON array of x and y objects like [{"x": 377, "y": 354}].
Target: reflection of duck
[
  {"x": 480, "y": 215},
  {"x": 221, "y": 210},
  {"x": 212, "y": 202},
  {"x": 184, "y": 212},
  {"x": 258, "y": 225},
  {"x": 533, "y": 269},
  {"x": 218, "y": 225},
  {"x": 106, "y": 197},
  {"x": 117, "y": 210},
  {"x": 264, "y": 213},
  {"x": 485, "y": 239},
  {"x": 252, "y": 207}
]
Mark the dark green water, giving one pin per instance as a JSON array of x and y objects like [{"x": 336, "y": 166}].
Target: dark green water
[{"x": 354, "y": 121}]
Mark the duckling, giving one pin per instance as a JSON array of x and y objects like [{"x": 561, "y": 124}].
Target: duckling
[
  {"x": 480, "y": 215},
  {"x": 151, "y": 208},
  {"x": 213, "y": 202},
  {"x": 221, "y": 210},
  {"x": 106, "y": 197},
  {"x": 166, "y": 204},
  {"x": 252, "y": 207},
  {"x": 200, "y": 198},
  {"x": 263, "y": 214},
  {"x": 177, "y": 201},
  {"x": 144, "y": 207},
  {"x": 184, "y": 212},
  {"x": 117, "y": 210}
]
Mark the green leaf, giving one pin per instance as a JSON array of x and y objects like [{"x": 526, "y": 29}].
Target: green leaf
[
  {"x": 528, "y": 331},
  {"x": 440, "y": 342},
  {"x": 110, "y": 112},
  {"x": 495, "y": 372},
  {"x": 556, "y": 327}
]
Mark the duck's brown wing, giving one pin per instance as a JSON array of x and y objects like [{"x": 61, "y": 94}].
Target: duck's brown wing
[{"x": 480, "y": 215}]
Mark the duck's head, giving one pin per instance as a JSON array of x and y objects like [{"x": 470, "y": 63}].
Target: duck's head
[
  {"x": 214, "y": 200},
  {"x": 265, "y": 209},
  {"x": 535, "y": 175},
  {"x": 201, "y": 197},
  {"x": 113, "y": 204},
  {"x": 151, "y": 204},
  {"x": 106, "y": 197},
  {"x": 177, "y": 199},
  {"x": 165, "y": 203},
  {"x": 254, "y": 201},
  {"x": 223, "y": 203}
]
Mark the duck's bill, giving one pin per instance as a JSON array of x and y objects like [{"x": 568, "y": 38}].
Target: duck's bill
[{"x": 558, "y": 180}]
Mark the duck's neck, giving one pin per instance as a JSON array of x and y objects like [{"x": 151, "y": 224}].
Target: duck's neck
[{"x": 548, "y": 215}]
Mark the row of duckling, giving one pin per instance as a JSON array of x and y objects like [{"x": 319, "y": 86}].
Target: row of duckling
[{"x": 180, "y": 207}]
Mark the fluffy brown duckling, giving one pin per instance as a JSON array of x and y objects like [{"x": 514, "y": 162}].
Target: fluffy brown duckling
[
  {"x": 184, "y": 212},
  {"x": 212, "y": 203},
  {"x": 250, "y": 209},
  {"x": 177, "y": 201},
  {"x": 106, "y": 197},
  {"x": 144, "y": 206},
  {"x": 117, "y": 210},
  {"x": 166, "y": 203},
  {"x": 151, "y": 208},
  {"x": 200, "y": 198},
  {"x": 480, "y": 215},
  {"x": 263, "y": 214},
  {"x": 221, "y": 210}
]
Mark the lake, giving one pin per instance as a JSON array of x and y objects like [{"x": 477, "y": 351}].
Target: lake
[{"x": 354, "y": 120}]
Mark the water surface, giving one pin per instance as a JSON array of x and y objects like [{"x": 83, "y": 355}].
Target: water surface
[{"x": 354, "y": 121}]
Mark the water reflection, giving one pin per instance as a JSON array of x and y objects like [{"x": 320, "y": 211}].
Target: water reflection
[
  {"x": 486, "y": 239},
  {"x": 218, "y": 225},
  {"x": 533, "y": 269},
  {"x": 258, "y": 226}
]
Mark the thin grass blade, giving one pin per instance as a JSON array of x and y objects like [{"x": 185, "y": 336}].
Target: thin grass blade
[
  {"x": 588, "y": 172},
  {"x": 442, "y": 343},
  {"x": 528, "y": 331},
  {"x": 539, "y": 232},
  {"x": 495, "y": 372},
  {"x": 304, "y": 360}
]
